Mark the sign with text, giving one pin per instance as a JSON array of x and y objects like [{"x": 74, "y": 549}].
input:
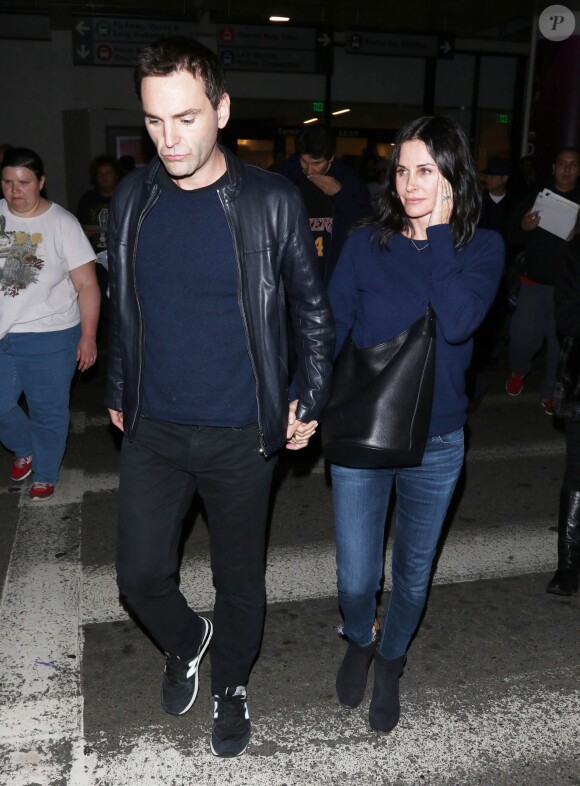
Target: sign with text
[
  {"x": 305, "y": 50},
  {"x": 116, "y": 41},
  {"x": 399, "y": 44}
]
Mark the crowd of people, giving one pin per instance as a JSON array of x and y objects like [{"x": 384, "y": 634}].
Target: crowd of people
[{"x": 265, "y": 266}]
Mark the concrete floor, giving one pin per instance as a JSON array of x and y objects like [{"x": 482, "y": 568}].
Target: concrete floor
[{"x": 490, "y": 694}]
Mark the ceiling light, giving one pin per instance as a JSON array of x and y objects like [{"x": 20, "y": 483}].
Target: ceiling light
[
  {"x": 279, "y": 19},
  {"x": 341, "y": 111},
  {"x": 312, "y": 120}
]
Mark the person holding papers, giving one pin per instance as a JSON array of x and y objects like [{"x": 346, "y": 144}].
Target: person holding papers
[{"x": 533, "y": 321}]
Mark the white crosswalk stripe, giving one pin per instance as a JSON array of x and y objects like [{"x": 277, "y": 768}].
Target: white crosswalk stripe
[
  {"x": 305, "y": 571},
  {"x": 452, "y": 740},
  {"x": 48, "y": 596}
]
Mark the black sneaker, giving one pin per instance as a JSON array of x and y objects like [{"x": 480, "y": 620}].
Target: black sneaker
[
  {"x": 180, "y": 679},
  {"x": 231, "y": 723}
]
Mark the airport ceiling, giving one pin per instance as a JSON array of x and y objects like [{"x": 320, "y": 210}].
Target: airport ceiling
[{"x": 503, "y": 20}]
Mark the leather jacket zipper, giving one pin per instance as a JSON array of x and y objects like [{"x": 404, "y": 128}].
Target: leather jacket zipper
[
  {"x": 244, "y": 319},
  {"x": 153, "y": 197}
]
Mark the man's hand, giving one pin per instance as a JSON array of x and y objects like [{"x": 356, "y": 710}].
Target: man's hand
[
  {"x": 531, "y": 220},
  {"x": 327, "y": 184},
  {"x": 116, "y": 418},
  {"x": 298, "y": 433}
]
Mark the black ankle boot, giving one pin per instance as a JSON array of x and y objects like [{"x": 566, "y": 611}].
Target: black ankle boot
[
  {"x": 385, "y": 707},
  {"x": 351, "y": 679},
  {"x": 565, "y": 579}
]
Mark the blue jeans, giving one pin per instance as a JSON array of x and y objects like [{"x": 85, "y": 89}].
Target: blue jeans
[
  {"x": 361, "y": 499},
  {"x": 40, "y": 365}
]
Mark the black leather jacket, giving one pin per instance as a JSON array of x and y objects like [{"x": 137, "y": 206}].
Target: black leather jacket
[{"x": 276, "y": 266}]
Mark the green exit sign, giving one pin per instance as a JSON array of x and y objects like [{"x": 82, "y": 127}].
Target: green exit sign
[
  {"x": 318, "y": 106},
  {"x": 503, "y": 119}
]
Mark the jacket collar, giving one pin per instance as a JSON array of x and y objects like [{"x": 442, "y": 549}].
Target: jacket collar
[{"x": 234, "y": 172}]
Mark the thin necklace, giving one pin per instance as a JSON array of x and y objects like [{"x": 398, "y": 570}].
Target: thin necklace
[{"x": 416, "y": 247}]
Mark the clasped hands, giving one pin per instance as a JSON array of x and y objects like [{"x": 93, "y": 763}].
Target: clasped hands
[{"x": 298, "y": 433}]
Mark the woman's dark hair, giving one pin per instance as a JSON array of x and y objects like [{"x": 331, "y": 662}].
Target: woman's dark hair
[
  {"x": 449, "y": 148},
  {"x": 182, "y": 54},
  {"x": 22, "y": 156}
]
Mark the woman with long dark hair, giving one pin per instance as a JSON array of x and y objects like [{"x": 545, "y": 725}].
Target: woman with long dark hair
[{"x": 421, "y": 248}]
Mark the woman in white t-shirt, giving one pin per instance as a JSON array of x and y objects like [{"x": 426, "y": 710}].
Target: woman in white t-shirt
[{"x": 49, "y": 310}]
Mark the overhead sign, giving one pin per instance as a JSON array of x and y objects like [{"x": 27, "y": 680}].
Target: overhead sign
[
  {"x": 399, "y": 44},
  {"x": 305, "y": 50},
  {"x": 117, "y": 41}
]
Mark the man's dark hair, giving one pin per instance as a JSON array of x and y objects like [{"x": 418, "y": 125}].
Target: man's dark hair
[
  {"x": 100, "y": 161},
  {"x": 315, "y": 141},
  {"x": 571, "y": 149},
  {"x": 448, "y": 146},
  {"x": 172, "y": 55}
]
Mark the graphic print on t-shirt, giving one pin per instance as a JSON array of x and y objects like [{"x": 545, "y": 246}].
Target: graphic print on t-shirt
[
  {"x": 322, "y": 231},
  {"x": 19, "y": 265}
]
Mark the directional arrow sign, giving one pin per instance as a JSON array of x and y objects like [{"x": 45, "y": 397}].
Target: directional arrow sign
[
  {"x": 117, "y": 41},
  {"x": 391, "y": 43},
  {"x": 266, "y": 48},
  {"x": 446, "y": 46}
]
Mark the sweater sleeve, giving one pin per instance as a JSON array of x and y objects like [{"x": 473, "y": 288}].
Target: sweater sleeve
[
  {"x": 342, "y": 292},
  {"x": 463, "y": 282}
]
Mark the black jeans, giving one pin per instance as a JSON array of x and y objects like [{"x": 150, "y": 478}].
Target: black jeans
[{"x": 160, "y": 471}]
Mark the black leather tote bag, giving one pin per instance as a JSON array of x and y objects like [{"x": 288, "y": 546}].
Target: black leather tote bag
[{"x": 381, "y": 398}]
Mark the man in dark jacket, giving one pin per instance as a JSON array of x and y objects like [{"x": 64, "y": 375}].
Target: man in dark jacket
[
  {"x": 334, "y": 194},
  {"x": 534, "y": 321},
  {"x": 203, "y": 254}
]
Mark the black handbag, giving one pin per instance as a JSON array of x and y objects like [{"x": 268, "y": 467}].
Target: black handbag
[{"x": 380, "y": 403}]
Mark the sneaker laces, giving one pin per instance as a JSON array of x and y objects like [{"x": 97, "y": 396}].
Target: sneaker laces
[
  {"x": 178, "y": 670},
  {"x": 22, "y": 461},
  {"x": 42, "y": 485},
  {"x": 231, "y": 707}
]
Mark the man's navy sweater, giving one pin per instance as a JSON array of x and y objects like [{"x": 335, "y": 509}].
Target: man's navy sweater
[{"x": 197, "y": 369}]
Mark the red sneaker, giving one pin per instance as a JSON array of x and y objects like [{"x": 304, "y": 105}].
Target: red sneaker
[
  {"x": 21, "y": 467},
  {"x": 41, "y": 490},
  {"x": 548, "y": 405},
  {"x": 514, "y": 384}
]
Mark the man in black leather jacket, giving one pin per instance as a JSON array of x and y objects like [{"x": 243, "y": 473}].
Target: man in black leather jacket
[{"x": 204, "y": 254}]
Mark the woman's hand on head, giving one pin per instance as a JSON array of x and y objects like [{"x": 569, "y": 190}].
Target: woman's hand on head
[{"x": 443, "y": 207}]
